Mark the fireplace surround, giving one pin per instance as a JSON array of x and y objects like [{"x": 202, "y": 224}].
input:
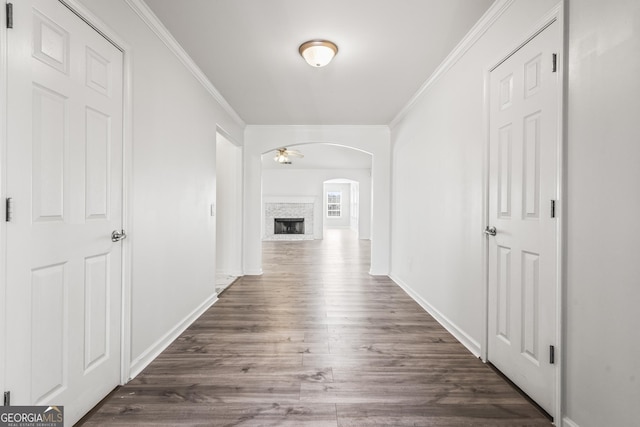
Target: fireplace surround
[{"x": 288, "y": 220}]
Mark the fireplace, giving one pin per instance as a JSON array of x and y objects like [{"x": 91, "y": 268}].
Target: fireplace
[
  {"x": 288, "y": 226},
  {"x": 280, "y": 212}
]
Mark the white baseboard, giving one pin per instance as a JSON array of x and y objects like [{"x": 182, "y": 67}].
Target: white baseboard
[
  {"x": 236, "y": 273},
  {"x": 229, "y": 273},
  {"x": 568, "y": 422},
  {"x": 472, "y": 345},
  {"x": 257, "y": 272},
  {"x": 159, "y": 346}
]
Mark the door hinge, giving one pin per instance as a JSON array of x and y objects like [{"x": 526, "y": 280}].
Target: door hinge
[
  {"x": 8, "y": 209},
  {"x": 7, "y": 398},
  {"x": 553, "y": 209},
  {"x": 554, "y": 62},
  {"x": 9, "y": 15},
  {"x": 552, "y": 354}
]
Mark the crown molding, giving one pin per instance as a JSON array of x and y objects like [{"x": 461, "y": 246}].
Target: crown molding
[
  {"x": 152, "y": 21},
  {"x": 317, "y": 127},
  {"x": 484, "y": 23}
]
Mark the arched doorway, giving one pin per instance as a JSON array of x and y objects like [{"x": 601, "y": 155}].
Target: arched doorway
[
  {"x": 264, "y": 140},
  {"x": 296, "y": 188}
]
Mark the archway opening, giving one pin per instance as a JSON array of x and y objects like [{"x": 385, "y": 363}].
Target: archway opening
[{"x": 296, "y": 190}]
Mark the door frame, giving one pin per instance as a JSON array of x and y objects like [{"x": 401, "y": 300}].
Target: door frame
[
  {"x": 3, "y": 191},
  {"x": 127, "y": 171},
  {"x": 556, "y": 14},
  {"x": 234, "y": 268}
]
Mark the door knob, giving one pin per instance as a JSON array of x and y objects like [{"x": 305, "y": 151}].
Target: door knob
[
  {"x": 116, "y": 236},
  {"x": 490, "y": 231}
]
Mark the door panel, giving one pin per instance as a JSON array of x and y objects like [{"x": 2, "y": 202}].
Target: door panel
[
  {"x": 503, "y": 287},
  {"x": 64, "y": 174},
  {"x": 96, "y": 310},
  {"x": 522, "y": 182},
  {"x": 48, "y": 288},
  {"x": 50, "y": 114},
  {"x": 97, "y": 185}
]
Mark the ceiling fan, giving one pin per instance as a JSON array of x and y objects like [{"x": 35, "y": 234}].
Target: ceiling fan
[{"x": 283, "y": 154}]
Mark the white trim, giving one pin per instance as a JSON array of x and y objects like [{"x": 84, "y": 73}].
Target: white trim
[
  {"x": 3, "y": 193},
  {"x": 152, "y": 21},
  {"x": 555, "y": 14},
  {"x": 160, "y": 345},
  {"x": 465, "y": 339},
  {"x": 127, "y": 214},
  {"x": 238, "y": 274},
  {"x": 485, "y": 213},
  {"x": 477, "y": 31},
  {"x": 250, "y": 272},
  {"x": 226, "y": 135},
  {"x": 568, "y": 422},
  {"x": 560, "y": 211},
  {"x": 316, "y": 128}
]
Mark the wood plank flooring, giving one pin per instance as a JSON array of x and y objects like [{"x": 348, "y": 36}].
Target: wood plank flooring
[{"x": 316, "y": 341}]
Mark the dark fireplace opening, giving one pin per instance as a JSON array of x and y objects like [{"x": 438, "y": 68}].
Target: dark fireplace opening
[{"x": 288, "y": 226}]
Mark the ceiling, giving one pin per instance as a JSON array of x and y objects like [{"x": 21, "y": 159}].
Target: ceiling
[{"x": 387, "y": 49}]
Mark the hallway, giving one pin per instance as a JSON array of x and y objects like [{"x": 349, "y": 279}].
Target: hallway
[{"x": 316, "y": 341}]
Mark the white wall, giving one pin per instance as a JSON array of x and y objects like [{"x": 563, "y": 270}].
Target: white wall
[
  {"x": 602, "y": 355},
  {"x": 228, "y": 207},
  {"x": 171, "y": 235},
  {"x": 285, "y": 182},
  {"x": 438, "y": 152},
  {"x": 372, "y": 139},
  {"x": 344, "y": 221},
  {"x": 437, "y": 174}
]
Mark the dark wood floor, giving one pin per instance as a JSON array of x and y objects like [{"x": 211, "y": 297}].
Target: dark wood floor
[{"x": 317, "y": 341}]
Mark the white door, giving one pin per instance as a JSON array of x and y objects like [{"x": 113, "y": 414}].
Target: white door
[
  {"x": 64, "y": 175},
  {"x": 523, "y": 180}
]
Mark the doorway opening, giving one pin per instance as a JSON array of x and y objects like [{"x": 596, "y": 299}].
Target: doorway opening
[
  {"x": 341, "y": 205},
  {"x": 228, "y": 211}
]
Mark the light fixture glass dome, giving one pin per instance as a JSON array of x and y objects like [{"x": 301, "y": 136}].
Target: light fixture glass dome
[{"x": 318, "y": 53}]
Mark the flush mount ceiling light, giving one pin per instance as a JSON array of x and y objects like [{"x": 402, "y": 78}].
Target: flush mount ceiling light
[{"x": 318, "y": 53}]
